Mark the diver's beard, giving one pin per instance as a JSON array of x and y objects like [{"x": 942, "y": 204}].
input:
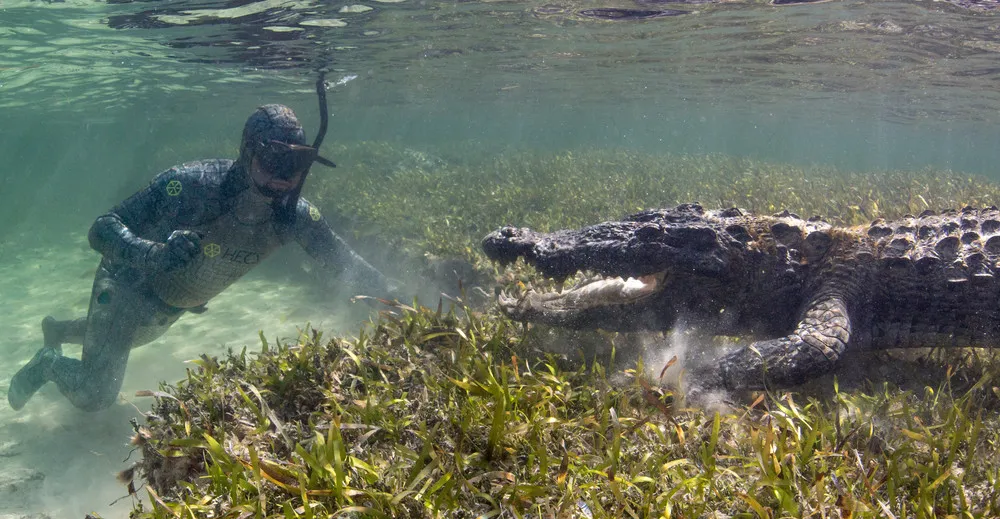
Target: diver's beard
[
  {"x": 265, "y": 185},
  {"x": 270, "y": 192}
]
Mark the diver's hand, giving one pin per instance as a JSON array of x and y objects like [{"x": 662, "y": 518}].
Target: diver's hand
[{"x": 181, "y": 247}]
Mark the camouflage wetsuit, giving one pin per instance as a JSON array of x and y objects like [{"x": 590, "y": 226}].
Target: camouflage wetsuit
[{"x": 169, "y": 249}]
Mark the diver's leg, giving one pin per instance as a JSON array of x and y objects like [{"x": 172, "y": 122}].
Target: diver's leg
[
  {"x": 58, "y": 333},
  {"x": 42, "y": 367},
  {"x": 118, "y": 308},
  {"x": 32, "y": 376}
]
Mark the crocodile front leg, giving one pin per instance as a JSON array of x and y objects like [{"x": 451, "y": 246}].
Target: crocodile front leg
[{"x": 813, "y": 349}]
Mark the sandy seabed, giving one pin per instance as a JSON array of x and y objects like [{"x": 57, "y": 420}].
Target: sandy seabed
[{"x": 59, "y": 462}]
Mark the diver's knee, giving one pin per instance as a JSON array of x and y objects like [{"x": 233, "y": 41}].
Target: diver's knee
[{"x": 105, "y": 294}]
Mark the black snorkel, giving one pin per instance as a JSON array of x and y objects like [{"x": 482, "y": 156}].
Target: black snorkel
[
  {"x": 285, "y": 212},
  {"x": 323, "y": 119}
]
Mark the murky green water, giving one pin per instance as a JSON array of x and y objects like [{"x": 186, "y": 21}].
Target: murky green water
[{"x": 97, "y": 97}]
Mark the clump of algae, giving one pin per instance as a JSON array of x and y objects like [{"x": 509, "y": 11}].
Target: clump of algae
[{"x": 431, "y": 413}]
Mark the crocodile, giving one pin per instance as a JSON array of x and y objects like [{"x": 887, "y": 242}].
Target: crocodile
[{"x": 809, "y": 291}]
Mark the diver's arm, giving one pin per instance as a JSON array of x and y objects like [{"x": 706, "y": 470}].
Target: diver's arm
[
  {"x": 326, "y": 247},
  {"x": 114, "y": 234}
]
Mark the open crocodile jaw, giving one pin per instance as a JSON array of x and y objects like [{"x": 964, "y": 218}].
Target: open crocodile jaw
[{"x": 598, "y": 300}]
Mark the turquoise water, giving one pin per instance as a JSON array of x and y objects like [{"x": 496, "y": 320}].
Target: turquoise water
[{"x": 97, "y": 97}]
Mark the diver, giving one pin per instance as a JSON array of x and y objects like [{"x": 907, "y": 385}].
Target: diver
[{"x": 174, "y": 245}]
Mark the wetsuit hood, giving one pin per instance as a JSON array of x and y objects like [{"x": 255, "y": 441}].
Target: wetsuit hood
[
  {"x": 275, "y": 137},
  {"x": 269, "y": 124}
]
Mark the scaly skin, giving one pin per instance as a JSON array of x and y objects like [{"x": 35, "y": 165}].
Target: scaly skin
[{"x": 928, "y": 280}]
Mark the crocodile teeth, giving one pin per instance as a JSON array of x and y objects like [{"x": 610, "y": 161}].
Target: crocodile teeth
[
  {"x": 611, "y": 291},
  {"x": 643, "y": 286},
  {"x": 586, "y": 295}
]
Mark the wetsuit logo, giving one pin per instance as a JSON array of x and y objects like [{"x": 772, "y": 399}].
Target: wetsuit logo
[
  {"x": 173, "y": 188},
  {"x": 247, "y": 257},
  {"x": 314, "y": 213}
]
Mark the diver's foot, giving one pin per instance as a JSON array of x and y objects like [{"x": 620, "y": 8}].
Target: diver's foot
[
  {"x": 30, "y": 378},
  {"x": 53, "y": 332}
]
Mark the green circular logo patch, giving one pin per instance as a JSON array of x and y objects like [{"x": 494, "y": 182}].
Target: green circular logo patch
[{"x": 174, "y": 188}]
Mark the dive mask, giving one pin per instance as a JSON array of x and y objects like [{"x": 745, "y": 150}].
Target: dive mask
[{"x": 284, "y": 161}]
